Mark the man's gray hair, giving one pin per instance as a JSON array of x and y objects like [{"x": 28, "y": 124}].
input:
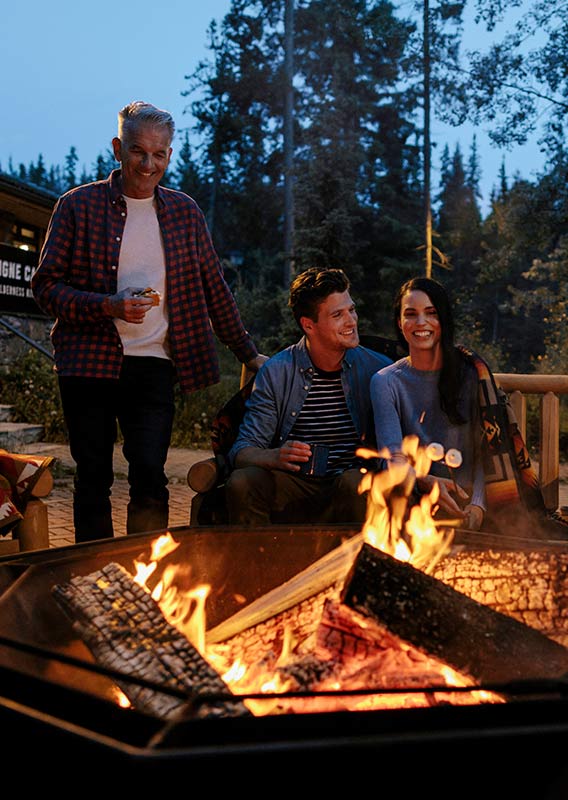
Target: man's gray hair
[{"x": 138, "y": 112}]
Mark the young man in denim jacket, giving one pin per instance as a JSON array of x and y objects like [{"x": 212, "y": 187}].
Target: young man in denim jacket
[{"x": 311, "y": 399}]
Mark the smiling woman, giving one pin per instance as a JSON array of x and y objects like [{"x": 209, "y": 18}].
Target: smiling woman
[
  {"x": 420, "y": 326},
  {"x": 433, "y": 394}
]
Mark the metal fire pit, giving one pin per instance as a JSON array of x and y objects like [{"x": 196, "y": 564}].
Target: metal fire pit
[{"x": 56, "y": 708}]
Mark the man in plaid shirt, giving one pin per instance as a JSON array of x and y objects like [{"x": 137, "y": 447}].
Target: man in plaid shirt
[{"x": 119, "y": 349}]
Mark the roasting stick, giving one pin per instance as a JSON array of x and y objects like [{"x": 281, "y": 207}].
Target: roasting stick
[{"x": 314, "y": 579}]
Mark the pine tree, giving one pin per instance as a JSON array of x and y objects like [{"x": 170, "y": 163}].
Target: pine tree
[
  {"x": 356, "y": 161},
  {"x": 186, "y": 174},
  {"x": 70, "y": 175},
  {"x": 473, "y": 177},
  {"x": 459, "y": 221},
  {"x": 103, "y": 165},
  {"x": 357, "y": 192},
  {"x": 237, "y": 119},
  {"x": 445, "y": 164},
  {"x": 54, "y": 181},
  {"x": 37, "y": 172}
]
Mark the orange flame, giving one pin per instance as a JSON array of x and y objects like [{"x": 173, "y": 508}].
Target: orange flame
[{"x": 412, "y": 537}]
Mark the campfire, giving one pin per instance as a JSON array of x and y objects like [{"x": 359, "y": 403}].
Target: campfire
[{"x": 395, "y": 617}]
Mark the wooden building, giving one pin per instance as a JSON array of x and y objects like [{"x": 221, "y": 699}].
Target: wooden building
[{"x": 25, "y": 211}]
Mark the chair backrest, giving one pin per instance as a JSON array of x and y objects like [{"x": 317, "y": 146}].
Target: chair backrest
[
  {"x": 388, "y": 347},
  {"x": 225, "y": 424}
]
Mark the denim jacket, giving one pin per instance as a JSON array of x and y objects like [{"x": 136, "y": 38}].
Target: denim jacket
[{"x": 282, "y": 385}]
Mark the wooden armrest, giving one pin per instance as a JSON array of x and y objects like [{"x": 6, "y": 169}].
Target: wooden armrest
[
  {"x": 204, "y": 475},
  {"x": 43, "y": 485},
  {"x": 246, "y": 375}
]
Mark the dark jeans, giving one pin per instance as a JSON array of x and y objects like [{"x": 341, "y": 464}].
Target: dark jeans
[
  {"x": 258, "y": 496},
  {"x": 141, "y": 401}
]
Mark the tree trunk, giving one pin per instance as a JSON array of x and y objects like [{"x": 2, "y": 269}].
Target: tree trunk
[
  {"x": 427, "y": 145},
  {"x": 289, "y": 144}
]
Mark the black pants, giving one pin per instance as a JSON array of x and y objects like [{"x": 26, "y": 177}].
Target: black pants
[
  {"x": 258, "y": 496},
  {"x": 141, "y": 402}
]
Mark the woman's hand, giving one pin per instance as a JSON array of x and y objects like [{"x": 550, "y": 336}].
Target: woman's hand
[{"x": 448, "y": 490}]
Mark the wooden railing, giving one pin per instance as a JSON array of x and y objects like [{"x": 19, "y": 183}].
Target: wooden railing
[{"x": 549, "y": 388}]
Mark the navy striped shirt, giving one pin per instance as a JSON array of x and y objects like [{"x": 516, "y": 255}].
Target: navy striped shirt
[{"x": 325, "y": 419}]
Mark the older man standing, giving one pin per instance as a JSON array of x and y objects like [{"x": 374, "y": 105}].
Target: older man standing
[
  {"x": 312, "y": 396},
  {"x": 118, "y": 348}
]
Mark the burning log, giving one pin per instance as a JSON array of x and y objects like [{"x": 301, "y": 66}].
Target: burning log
[
  {"x": 268, "y": 639},
  {"x": 363, "y": 657},
  {"x": 530, "y": 586},
  {"x": 473, "y": 639},
  {"x": 325, "y": 574},
  {"x": 321, "y": 645},
  {"x": 125, "y": 630},
  {"x": 360, "y": 644},
  {"x": 342, "y": 661}
]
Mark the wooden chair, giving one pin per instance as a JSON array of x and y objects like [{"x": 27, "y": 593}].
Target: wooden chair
[
  {"x": 32, "y": 532},
  {"x": 207, "y": 478}
]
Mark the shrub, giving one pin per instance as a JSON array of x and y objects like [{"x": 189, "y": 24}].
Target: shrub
[
  {"x": 30, "y": 386},
  {"x": 195, "y": 412}
]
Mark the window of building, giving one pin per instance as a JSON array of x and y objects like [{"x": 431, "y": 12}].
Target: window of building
[{"x": 25, "y": 236}]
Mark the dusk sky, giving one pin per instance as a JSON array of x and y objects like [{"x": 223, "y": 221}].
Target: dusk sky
[{"x": 69, "y": 67}]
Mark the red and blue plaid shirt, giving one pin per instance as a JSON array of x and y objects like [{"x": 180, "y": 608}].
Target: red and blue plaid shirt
[{"x": 78, "y": 267}]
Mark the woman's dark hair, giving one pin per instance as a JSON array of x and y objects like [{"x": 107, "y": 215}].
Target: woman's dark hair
[{"x": 451, "y": 375}]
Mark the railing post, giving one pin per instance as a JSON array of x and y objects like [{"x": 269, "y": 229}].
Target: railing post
[{"x": 549, "y": 438}]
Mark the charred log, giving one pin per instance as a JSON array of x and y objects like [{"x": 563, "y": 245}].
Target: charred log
[
  {"x": 125, "y": 630},
  {"x": 473, "y": 639},
  {"x": 350, "y": 644}
]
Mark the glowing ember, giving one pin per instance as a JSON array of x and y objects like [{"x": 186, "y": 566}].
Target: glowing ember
[{"x": 120, "y": 698}]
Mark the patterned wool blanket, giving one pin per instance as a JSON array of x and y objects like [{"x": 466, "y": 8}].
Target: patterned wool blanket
[
  {"x": 19, "y": 474},
  {"x": 515, "y": 505}
]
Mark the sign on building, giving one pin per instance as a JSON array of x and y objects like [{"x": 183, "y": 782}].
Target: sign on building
[{"x": 16, "y": 268}]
